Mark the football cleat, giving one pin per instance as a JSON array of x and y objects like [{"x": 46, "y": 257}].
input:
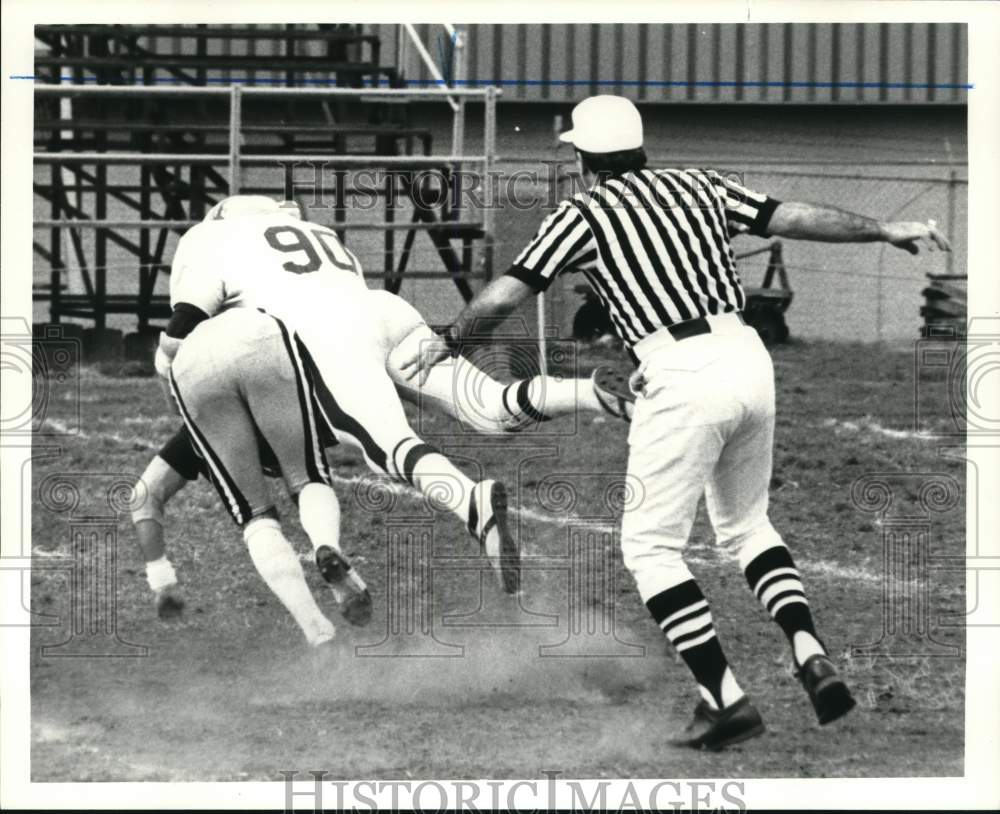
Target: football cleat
[
  {"x": 346, "y": 585},
  {"x": 829, "y": 694},
  {"x": 611, "y": 386},
  {"x": 492, "y": 529},
  {"x": 169, "y": 602},
  {"x": 715, "y": 729}
]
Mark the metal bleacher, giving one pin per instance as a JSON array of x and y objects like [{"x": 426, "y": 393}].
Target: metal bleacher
[{"x": 139, "y": 130}]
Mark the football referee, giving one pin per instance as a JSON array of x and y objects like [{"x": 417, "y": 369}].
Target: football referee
[{"x": 655, "y": 246}]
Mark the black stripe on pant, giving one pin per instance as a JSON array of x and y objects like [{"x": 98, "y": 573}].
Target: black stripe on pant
[
  {"x": 335, "y": 417},
  {"x": 317, "y": 470},
  {"x": 223, "y": 482}
]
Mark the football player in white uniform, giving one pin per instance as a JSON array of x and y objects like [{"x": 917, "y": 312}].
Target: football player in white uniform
[
  {"x": 255, "y": 252},
  {"x": 237, "y": 385}
]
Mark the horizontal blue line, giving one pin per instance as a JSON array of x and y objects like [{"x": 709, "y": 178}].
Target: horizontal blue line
[{"x": 552, "y": 82}]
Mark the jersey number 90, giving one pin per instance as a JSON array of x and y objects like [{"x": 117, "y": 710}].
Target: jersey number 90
[{"x": 292, "y": 240}]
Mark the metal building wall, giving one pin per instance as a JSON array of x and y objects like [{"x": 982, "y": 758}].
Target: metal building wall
[{"x": 786, "y": 62}]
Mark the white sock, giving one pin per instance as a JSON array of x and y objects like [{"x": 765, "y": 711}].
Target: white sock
[
  {"x": 319, "y": 512},
  {"x": 731, "y": 691},
  {"x": 805, "y": 646},
  {"x": 276, "y": 562},
  {"x": 160, "y": 574}
]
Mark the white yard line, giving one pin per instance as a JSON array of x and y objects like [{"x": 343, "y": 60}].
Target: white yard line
[
  {"x": 695, "y": 552},
  {"x": 62, "y": 428},
  {"x": 869, "y": 425}
]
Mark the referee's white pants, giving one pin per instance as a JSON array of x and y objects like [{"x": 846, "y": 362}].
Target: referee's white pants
[{"x": 703, "y": 424}]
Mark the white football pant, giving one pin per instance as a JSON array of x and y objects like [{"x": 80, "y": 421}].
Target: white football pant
[{"x": 704, "y": 423}]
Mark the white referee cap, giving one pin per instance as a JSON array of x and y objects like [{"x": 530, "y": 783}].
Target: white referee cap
[{"x": 605, "y": 124}]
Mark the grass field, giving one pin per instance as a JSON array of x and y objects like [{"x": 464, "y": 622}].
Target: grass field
[{"x": 231, "y": 693}]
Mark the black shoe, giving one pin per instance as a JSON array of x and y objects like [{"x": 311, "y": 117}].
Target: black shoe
[
  {"x": 714, "y": 729},
  {"x": 495, "y": 537},
  {"x": 347, "y": 586},
  {"x": 829, "y": 694},
  {"x": 169, "y": 603}
]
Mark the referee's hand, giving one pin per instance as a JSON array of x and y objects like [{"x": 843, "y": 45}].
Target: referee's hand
[
  {"x": 911, "y": 236},
  {"x": 429, "y": 353}
]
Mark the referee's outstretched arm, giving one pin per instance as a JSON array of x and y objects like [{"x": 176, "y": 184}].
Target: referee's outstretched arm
[
  {"x": 805, "y": 221},
  {"x": 790, "y": 219}
]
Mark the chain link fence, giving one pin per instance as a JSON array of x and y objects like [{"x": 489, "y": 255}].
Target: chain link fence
[
  {"x": 867, "y": 292},
  {"x": 842, "y": 292}
]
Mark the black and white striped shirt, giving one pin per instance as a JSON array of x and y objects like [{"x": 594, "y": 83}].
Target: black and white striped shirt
[{"x": 654, "y": 244}]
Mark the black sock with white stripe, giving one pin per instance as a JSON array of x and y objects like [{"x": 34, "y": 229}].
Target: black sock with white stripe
[
  {"x": 523, "y": 401},
  {"x": 437, "y": 478},
  {"x": 775, "y": 582},
  {"x": 682, "y": 613}
]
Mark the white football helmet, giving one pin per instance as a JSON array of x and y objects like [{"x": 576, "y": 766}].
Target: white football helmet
[{"x": 241, "y": 205}]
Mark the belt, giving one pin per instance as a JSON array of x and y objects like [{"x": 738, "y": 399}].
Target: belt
[
  {"x": 728, "y": 323},
  {"x": 694, "y": 327}
]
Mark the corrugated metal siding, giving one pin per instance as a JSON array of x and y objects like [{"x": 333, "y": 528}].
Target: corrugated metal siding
[{"x": 783, "y": 62}]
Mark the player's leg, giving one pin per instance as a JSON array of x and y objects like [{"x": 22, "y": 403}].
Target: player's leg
[
  {"x": 390, "y": 445},
  {"x": 737, "y": 501},
  {"x": 674, "y": 443},
  {"x": 357, "y": 401},
  {"x": 277, "y": 394},
  {"x": 205, "y": 386},
  {"x": 170, "y": 470},
  {"x": 464, "y": 391}
]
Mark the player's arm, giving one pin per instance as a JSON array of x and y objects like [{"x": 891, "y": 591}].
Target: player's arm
[
  {"x": 486, "y": 310},
  {"x": 807, "y": 221},
  {"x": 184, "y": 319},
  {"x": 197, "y": 291},
  {"x": 563, "y": 241}
]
